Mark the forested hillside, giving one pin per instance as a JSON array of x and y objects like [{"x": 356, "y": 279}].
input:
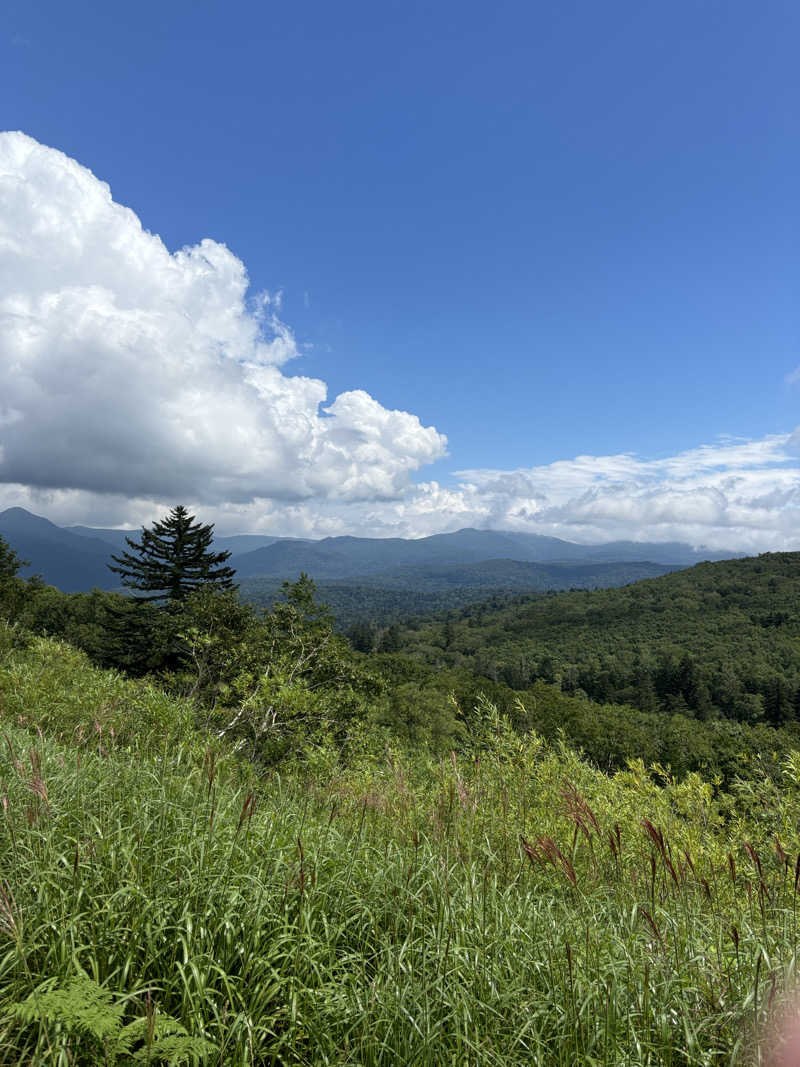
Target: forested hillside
[
  {"x": 529, "y": 658},
  {"x": 266, "y": 831},
  {"x": 717, "y": 640},
  {"x": 247, "y": 829},
  {"x": 410, "y": 591},
  {"x": 376, "y": 607}
]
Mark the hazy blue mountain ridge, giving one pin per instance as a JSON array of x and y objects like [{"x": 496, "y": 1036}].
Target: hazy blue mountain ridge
[
  {"x": 71, "y": 562},
  {"x": 349, "y": 557},
  {"x": 75, "y": 558}
]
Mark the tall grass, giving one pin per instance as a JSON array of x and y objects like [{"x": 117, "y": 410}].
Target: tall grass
[{"x": 512, "y": 907}]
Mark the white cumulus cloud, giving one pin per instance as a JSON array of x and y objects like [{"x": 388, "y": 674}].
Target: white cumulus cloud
[
  {"x": 132, "y": 378},
  {"x": 732, "y": 494},
  {"x": 128, "y": 371}
]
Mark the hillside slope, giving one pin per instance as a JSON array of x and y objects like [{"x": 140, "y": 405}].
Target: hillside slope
[
  {"x": 413, "y": 591},
  {"x": 719, "y": 638},
  {"x": 66, "y": 560}
]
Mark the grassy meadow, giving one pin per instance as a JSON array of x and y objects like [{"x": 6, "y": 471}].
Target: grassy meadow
[{"x": 161, "y": 902}]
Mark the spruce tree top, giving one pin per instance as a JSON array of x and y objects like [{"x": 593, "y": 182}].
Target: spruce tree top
[{"x": 173, "y": 559}]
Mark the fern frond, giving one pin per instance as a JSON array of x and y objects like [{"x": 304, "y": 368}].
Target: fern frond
[{"x": 80, "y": 1005}]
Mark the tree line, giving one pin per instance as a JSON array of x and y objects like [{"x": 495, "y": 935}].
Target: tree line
[
  {"x": 719, "y": 640},
  {"x": 672, "y": 670}
]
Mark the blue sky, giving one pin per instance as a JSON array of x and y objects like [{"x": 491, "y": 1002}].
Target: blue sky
[{"x": 548, "y": 231}]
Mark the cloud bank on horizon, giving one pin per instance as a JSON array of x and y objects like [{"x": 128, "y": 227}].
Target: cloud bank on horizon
[{"x": 132, "y": 378}]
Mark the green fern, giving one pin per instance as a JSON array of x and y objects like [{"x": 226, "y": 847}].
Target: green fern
[{"x": 86, "y": 1009}]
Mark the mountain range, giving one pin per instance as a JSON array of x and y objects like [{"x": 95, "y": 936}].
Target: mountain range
[{"x": 75, "y": 558}]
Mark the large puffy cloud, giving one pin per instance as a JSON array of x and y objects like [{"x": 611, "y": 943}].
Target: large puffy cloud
[
  {"x": 126, "y": 369},
  {"x": 132, "y": 377}
]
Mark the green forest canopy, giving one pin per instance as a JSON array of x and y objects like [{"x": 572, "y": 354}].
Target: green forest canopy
[
  {"x": 697, "y": 670},
  {"x": 716, "y": 640}
]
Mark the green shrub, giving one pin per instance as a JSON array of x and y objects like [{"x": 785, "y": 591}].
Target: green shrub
[{"x": 53, "y": 687}]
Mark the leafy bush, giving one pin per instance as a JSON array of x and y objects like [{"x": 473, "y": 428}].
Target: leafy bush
[{"x": 52, "y": 686}]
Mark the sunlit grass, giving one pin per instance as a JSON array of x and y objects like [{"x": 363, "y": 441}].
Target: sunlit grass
[
  {"x": 512, "y": 906},
  {"x": 389, "y": 915}
]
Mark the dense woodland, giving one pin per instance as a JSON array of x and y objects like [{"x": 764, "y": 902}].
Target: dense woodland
[
  {"x": 719, "y": 640},
  {"x": 374, "y": 606},
  {"x": 696, "y": 670},
  {"x": 406, "y": 592}
]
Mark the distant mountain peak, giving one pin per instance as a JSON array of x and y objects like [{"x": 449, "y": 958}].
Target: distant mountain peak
[{"x": 17, "y": 516}]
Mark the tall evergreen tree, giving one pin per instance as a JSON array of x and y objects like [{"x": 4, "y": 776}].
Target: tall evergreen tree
[{"x": 173, "y": 559}]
